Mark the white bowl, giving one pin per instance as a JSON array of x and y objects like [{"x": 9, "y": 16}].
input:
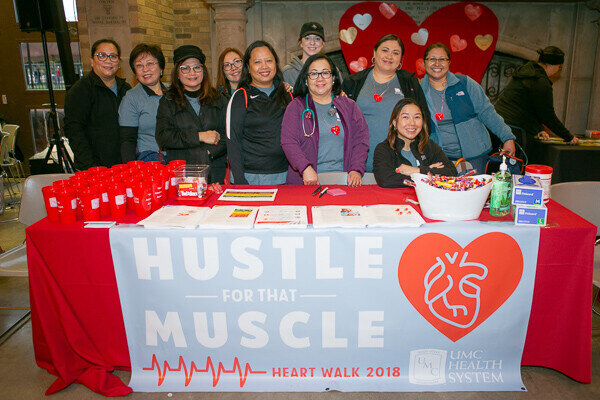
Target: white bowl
[{"x": 446, "y": 205}]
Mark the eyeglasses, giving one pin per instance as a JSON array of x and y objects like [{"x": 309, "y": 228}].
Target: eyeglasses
[
  {"x": 236, "y": 63},
  {"x": 437, "y": 60},
  {"x": 314, "y": 75},
  {"x": 104, "y": 56},
  {"x": 185, "y": 69},
  {"x": 148, "y": 65}
]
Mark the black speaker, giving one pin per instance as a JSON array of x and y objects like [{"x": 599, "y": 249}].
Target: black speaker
[{"x": 28, "y": 15}]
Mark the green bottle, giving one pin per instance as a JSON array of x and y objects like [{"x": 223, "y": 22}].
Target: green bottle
[{"x": 501, "y": 191}]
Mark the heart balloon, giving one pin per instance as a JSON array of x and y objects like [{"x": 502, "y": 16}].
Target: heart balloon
[
  {"x": 469, "y": 29},
  {"x": 454, "y": 288}
]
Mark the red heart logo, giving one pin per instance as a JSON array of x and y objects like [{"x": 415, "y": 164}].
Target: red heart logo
[
  {"x": 335, "y": 130},
  {"x": 473, "y": 12},
  {"x": 453, "y": 19},
  {"x": 420, "y": 66},
  {"x": 454, "y": 288},
  {"x": 358, "y": 65},
  {"x": 377, "y": 97},
  {"x": 439, "y": 116},
  {"x": 457, "y": 44},
  {"x": 388, "y": 10}
]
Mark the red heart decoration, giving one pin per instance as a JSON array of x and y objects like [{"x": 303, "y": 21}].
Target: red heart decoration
[
  {"x": 439, "y": 116},
  {"x": 454, "y": 288},
  {"x": 388, "y": 10},
  {"x": 335, "y": 130},
  {"x": 377, "y": 97},
  {"x": 473, "y": 12},
  {"x": 457, "y": 44},
  {"x": 420, "y": 67},
  {"x": 359, "y": 64},
  {"x": 453, "y": 19}
]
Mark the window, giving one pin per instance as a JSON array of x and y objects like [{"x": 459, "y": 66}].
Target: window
[
  {"x": 70, "y": 7},
  {"x": 34, "y": 70},
  {"x": 41, "y": 126}
]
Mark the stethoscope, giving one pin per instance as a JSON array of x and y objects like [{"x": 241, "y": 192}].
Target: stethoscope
[{"x": 308, "y": 114}]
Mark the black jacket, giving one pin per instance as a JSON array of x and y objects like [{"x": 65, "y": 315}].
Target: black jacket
[
  {"x": 409, "y": 85},
  {"x": 254, "y": 134},
  {"x": 527, "y": 102},
  {"x": 386, "y": 160},
  {"x": 92, "y": 121},
  {"x": 177, "y": 130}
]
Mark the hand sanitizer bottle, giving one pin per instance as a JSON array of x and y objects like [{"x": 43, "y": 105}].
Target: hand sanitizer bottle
[{"x": 501, "y": 191}]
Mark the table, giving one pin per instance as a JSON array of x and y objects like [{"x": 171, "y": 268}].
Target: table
[
  {"x": 79, "y": 335},
  {"x": 570, "y": 163}
]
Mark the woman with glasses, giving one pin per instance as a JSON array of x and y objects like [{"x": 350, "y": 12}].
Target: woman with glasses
[
  {"x": 137, "y": 112},
  {"x": 230, "y": 71},
  {"x": 191, "y": 115},
  {"x": 91, "y": 116},
  {"x": 254, "y": 117},
  {"x": 407, "y": 148},
  {"x": 377, "y": 89},
  {"x": 321, "y": 130},
  {"x": 462, "y": 112}
]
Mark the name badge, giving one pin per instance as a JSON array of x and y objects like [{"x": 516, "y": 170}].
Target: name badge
[{"x": 461, "y": 93}]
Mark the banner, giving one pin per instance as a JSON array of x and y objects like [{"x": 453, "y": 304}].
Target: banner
[{"x": 443, "y": 307}]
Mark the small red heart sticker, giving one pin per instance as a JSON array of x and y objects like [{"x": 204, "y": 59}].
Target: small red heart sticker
[
  {"x": 439, "y": 116},
  {"x": 377, "y": 97},
  {"x": 335, "y": 130}
]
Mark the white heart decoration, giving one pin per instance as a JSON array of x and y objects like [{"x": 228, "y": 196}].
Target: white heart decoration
[
  {"x": 420, "y": 37},
  {"x": 362, "y": 21}
]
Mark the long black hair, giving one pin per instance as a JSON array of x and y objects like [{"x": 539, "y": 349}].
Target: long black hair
[
  {"x": 281, "y": 95},
  {"x": 301, "y": 85},
  {"x": 393, "y": 132}
]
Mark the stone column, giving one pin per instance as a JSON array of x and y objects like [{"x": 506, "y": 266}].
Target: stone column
[{"x": 230, "y": 23}]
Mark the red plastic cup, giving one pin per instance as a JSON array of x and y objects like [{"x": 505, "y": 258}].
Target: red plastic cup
[
  {"x": 97, "y": 170},
  {"x": 142, "y": 198},
  {"x": 58, "y": 185},
  {"x": 50, "y": 203},
  {"x": 67, "y": 205},
  {"x": 155, "y": 164},
  {"x": 103, "y": 195},
  {"x": 128, "y": 183},
  {"x": 119, "y": 167},
  {"x": 136, "y": 164},
  {"x": 90, "y": 200},
  {"x": 118, "y": 204},
  {"x": 177, "y": 163},
  {"x": 157, "y": 187}
]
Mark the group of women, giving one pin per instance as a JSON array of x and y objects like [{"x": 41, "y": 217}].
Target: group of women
[{"x": 271, "y": 132}]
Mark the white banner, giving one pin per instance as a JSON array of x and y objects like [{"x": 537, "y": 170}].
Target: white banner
[{"x": 443, "y": 307}]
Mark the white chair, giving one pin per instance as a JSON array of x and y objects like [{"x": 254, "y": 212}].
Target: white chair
[
  {"x": 14, "y": 261},
  {"x": 369, "y": 179},
  {"x": 583, "y": 198},
  {"x": 340, "y": 178},
  {"x": 10, "y": 164}
]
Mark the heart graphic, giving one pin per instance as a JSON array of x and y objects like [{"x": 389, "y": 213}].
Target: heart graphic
[
  {"x": 335, "y": 130},
  {"x": 420, "y": 37},
  {"x": 473, "y": 12},
  {"x": 377, "y": 97},
  {"x": 348, "y": 35},
  {"x": 454, "y": 288},
  {"x": 449, "y": 20},
  {"x": 420, "y": 67},
  {"x": 483, "y": 42},
  {"x": 388, "y": 10},
  {"x": 358, "y": 65},
  {"x": 362, "y": 21},
  {"x": 457, "y": 44},
  {"x": 439, "y": 116}
]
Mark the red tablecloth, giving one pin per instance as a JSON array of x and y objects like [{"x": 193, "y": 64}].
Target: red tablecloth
[{"x": 78, "y": 331}]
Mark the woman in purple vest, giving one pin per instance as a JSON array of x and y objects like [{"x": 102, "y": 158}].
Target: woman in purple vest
[
  {"x": 321, "y": 130},
  {"x": 461, "y": 112}
]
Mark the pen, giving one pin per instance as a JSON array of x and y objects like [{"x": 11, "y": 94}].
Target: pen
[
  {"x": 317, "y": 190},
  {"x": 323, "y": 192}
]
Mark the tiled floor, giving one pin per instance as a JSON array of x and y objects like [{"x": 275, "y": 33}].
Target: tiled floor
[{"x": 21, "y": 378}]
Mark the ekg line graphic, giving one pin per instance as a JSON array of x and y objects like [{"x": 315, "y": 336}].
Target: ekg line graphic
[{"x": 189, "y": 373}]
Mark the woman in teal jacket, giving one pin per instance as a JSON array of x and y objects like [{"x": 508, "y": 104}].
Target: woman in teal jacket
[{"x": 461, "y": 112}]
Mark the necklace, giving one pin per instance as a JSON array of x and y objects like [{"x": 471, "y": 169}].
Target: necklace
[
  {"x": 438, "y": 115},
  {"x": 379, "y": 96},
  {"x": 332, "y": 112}
]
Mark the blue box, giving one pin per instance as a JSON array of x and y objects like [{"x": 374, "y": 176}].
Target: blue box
[
  {"x": 527, "y": 191},
  {"x": 528, "y": 215}
]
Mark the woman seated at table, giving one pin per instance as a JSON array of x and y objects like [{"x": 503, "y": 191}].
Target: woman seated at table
[
  {"x": 376, "y": 90},
  {"x": 407, "y": 148},
  {"x": 254, "y": 116},
  {"x": 462, "y": 112},
  {"x": 321, "y": 130},
  {"x": 191, "y": 115},
  {"x": 230, "y": 71},
  {"x": 137, "y": 112}
]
